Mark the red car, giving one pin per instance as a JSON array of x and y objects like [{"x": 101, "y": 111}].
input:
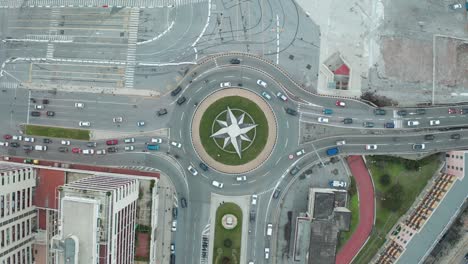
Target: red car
[
  {"x": 6, "y": 136},
  {"x": 340, "y": 103},
  {"x": 452, "y": 111},
  {"x": 112, "y": 142},
  {"x": 76, "y": 150}
]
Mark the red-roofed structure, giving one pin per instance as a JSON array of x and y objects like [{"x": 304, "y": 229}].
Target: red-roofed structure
[{"x": 47, "y": 183}]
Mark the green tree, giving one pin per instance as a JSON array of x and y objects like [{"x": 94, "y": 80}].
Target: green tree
[
  {"x": 385, "y": 179},
  {"x": 393, "y": 198}
]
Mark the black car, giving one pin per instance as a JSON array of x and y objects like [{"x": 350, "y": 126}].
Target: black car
[
  {"x": 176, "y": 91},
  {"x": 111, "y": 149},
  {"x": 45, "y": 101},
  {"x": 464, "y": 111},
  {"x": 294, "y": 170},
  {"x": 174, "y": 212},
  {"x": 252, "y": 215},
  {"x": 27, "y": 147},
  {"x": 203, "y": 166},
  {"x": 455, "y": 136},
  {"x": 402, "y": 112},
  {"x": 162, "y": 111},
  {"x": 35, "y": 113},
  {"x": 183, "y": 202},
  {"x": 235, "y": 61},
  {"x": 14, "y": 144},
  {"x": 172, "y": 258},
  {"x": 291, "y": 111},
  {"x": 63, "y": 149},
  {"x": 91, "y": 144},
  {"x": 276, "y": 193},
  {"x": 420, "y": 111},
  {"x": 379, "y": 111},
  {"x": 47, "y": 140},
  {"x": 50, "y": 113},
  {"x": 429, "y": 137},
  {"x": 348, "y": 120},
  {"x": 181, "y": 100}
]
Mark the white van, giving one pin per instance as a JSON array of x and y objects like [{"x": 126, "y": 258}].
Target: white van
[
  {"x": 269, "y": 229},
  {"x": 40, "y": 148}
]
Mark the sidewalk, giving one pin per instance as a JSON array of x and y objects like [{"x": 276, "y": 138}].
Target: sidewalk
[{"x": 163, "y": 230}]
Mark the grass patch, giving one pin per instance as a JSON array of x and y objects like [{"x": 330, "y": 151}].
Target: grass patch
[
  {"x": 57, "y": 132},
  {"x": 353, "y": 206},
  {"x": 206, "y": 130},
  {"x": 412, "y": 177},
  {"x": 220, "y": 250}
]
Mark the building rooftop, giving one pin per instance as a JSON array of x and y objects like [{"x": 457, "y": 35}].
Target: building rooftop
[
  {"x": 99, "y": 183},
  {"x": 342, "y": 218},
  {"x": 323, "y": 239},
  {"x": 324, "y": 203}
]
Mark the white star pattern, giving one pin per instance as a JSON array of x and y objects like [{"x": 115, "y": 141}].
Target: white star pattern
[{"x": 234, "y": 131}]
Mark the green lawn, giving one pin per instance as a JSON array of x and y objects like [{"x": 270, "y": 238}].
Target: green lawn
[
  {"x": 221, "y": 234},
  {"x": 354, "y": 207},
  {"x": 412, "y": 182},
  {"x": 207, "y": 128},
  {"x": 57, "y": 132}
]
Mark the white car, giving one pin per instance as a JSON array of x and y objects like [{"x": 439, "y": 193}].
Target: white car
[
  {"x": 267, "y": 253},
  {"x": 300, "y": 152},
  {"x": 129, "y": 140},
  {"x": 254, "y": 199},
  {"x": 434, "y": 122},
  {"x": 241, "y": 178},
  {"x": 3, "y": 144},
  {"x": 371, "y": 147},
  {"x": 322, "y": 120},
  {"x": 176, "y": 144},
  {"x": 84, "y": 124},
  {"x": 88, "y": 151},
  {"x": 65, "y": 142},
  {"x": 174, "y": 226},
  {"x": 455, "y": 6},
  {"x": 262, "y": 83},
  {"x": 192, "y": 170},
  {"x": 266, "y": 95},
  {"x": 101, "y": 152},
  {"x": 217, "y": 184},
  {"x": 156, "y": 140},
  {"x": 413, "y": 123},
  {"x": 79, "y": 105},
  {"x": 269, "y": 229},
  {"x": 225, "y": 84},
  {"x": 281, "y": 96},
  {"x": 29, "y": 139},
  {"x": 17, "y": 138},
  {"x": 129, "y": 148},
  {"x": 39, "y": 107},
  {"x": 341, "y": 142},
  {"x": 117, "y": 119},
  {"x": 341, "y": 184}
]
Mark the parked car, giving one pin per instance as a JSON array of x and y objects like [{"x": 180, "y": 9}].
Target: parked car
[
  {"x": 176, "y": 91},
  {"x": 341, "y": 184},
  {"x": 28, "y": 147},
  {"x": 45, "y": 101},
  {"x": 181, "y": 100},
  {"x": 29, "y": 139},
  {"x": 172, "y": 244},
  {"x": 262, "y": 83},
  {"x": 192, "y": 170},
  {"x": 452, "y": 111},
  {"x": 91, "y": 144},
  {"x": 174, "y": 226},
  {"x": 14, "y": 144},
  {"x": 267, "y": 253},
  {"x": 39, "y": 107},
  {"x": 269, "y": 229},
  {"x": 456, "y": 6},
  {"x": 266, "y": 95},
  {"x": 4, "y": 144},
  {"x": 6, "y": 136},
  {"x": 183, "y": 202},
  {"x": 254, "y": 199},
  {"x": 17, "y": 138}
]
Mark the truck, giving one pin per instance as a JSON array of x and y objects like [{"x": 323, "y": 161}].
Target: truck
[{"x": 333, "y": 151}]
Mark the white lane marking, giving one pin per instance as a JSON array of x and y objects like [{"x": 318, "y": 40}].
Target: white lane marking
[
  {"x": 245, "y": 77},
  {"x": 229, "y": 76},
  {"x": 198, "y": 89},
  {"x": 182, "y": 116},
  {"x": 287, "y": 124},
  {"x": 277, "y": 161},
  {"x": 180, "y": 133},
  {"x": 286, "y": 144},
  {"x": 265, "y": 174},
  {"x": 277, "y": 39},
  {"x": 29, "y": 105}
]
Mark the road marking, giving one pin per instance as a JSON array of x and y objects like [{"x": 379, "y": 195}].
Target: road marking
[
  {"x": 277, "y": 161},
  {"x": 286, "y": 144},
  {"x": 180, "y": 133},
  {"x": 182, "y": 118},
  {"x": 29, "y": 105},
  {"x": 277, "y": 39},
  {"x": 287, "y": 124},
  {"x": 198, "y": 89},
  {"x": 265, "y": 174},
  {"x": 245, "y": 77}
]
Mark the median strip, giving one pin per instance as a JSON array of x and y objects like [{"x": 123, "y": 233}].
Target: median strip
[{"x": 58, "y": 132}]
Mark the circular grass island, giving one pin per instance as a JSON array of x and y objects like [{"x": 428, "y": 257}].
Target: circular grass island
[
  {"x": 252, "y": 115},
  {"x": 227, "y": 242}
]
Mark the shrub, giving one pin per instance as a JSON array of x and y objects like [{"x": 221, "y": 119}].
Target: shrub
[
  {"x": 385, "y": 179},
  {"x": 227, "y": 243}
]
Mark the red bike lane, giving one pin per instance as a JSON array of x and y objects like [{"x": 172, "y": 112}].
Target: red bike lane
[{"x": 365, "y": 190}]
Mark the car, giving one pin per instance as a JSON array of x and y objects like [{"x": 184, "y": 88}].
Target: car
[
  {"x": 413, "y": 123},
  {"x": 429, "y": 137},
  {"x": 235, "y": 61},
  {"x": 50, "y": 113},
  {"x": 152, "y": 147},
  {"x": 88, "y": 151},
  {"x": 162, "y": 111},
  {"x": 217, "y": 184},
  {"x": 63, "y": 149},
  {"x": 379, "y": 111},
  {"x": 452, "y": 111},
  {"x": 341, "y": 142},
  {"x": 341, "y": 184},
  {"x": 118, "y": 119},
  {"x": 266, "y": 95},
  {"x": 254, "y": 199},
  {"x": 371, "y": 147},
  {"x": 267, "y": 253},
  {"x": 402, "y": 112},
  {"x": 84, "y": 124},
  {"x": 174, "y": 226},
  {"x": 192, "y": 170},
  {"x": 455, "y": 6},
  {"x": 294, "y": 170},
  {"x": 419, "y": 146},
  {"x": 322, "y": 119},
  {"x": 181, "y": 100},
  {"x": 140, "y": 123},
  {"x": 262, "y": 83},
  {"x": 269, "y": 229},
  {"x": 112, "y": 142},
  {"x": 291, "y": 111},
  {"x": 348, "y": 120},
  {"x": 129, "y": 148},
  {"x": 174, "y": 212},
  {"x": 176, "y": 91},
  {"x": 28, "y": 147},
  {"x": 420, "y": 111},
  {"x": 7, "y": 137},
  {"x": 434, "y": 122},
  {"x": 176, "y": 144},
  {"x": 225, "y": 84},
  {"x": 4, "y": 144},
  {"x": 79, "y": 105},
  {"x": 241, "y": 178},
  {"x": 38, "y": 107},
  {"x": 101, "y": 152},
  {"x": 40, "y": 148},
  {"x": 340, "y": 103},
  {"x": 129, "y": 140},
  {"x": 252, "y": 215},
  {"x": 91, "y": 144},
  {"x": 47, "y": 140},
  {"x": 17, "y": 137},
  {"x": 327, "y": 111},
  {"x": 156, "y": 140},
  {"x": 29, "y": 139},
  {"x": 455, "y": 136},
  {"x": 111, "y": 149},
  {"x": 183, "y": 202},
  {"x": 172, "y": 248},
  {"x": 45, "y": 101},
  {"x": 281, "y": 96},
  {"x": 65, "y": 142},
  {"x": 14, "y": 144},
  {"x": 35, "y": 113},
  {"x": 368, "y": 124},
  {"x": 389, "y": 125},
  {"x": 276, "y": 193},
  {"x": 76, "y": 150},
  {"x": 300, "y": 152},
  {"x": 203, "y": 166}
]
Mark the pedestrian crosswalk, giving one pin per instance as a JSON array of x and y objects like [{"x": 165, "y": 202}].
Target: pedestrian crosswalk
[
  {"x": 9, "y": 85},
  {"x": 131, "y": 50},
  {"x": 97, "y": 3},
  {"x": 48, "y": 38},
  {"x": 140, "y": 168}
]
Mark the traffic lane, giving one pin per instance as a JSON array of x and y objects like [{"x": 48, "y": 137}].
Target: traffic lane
[
  {"x": 338, "y": 121},
  {"x": 437, "y": 122}
]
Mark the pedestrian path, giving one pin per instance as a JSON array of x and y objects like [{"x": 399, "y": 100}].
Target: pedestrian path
[
  {"x": 140, "y": 168},
  {"x": 98, "y": 3},
  {"x": 132, "y": 39}
]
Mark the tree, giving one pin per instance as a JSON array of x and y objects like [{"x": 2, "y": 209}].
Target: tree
[
  {"x": 227, "y": 243},
  {"x": 385, "y": 179},
  {"x": 393, "y": 197}
]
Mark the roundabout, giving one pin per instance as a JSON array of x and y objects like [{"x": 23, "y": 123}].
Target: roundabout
[{"x": 234, "y": 130}]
